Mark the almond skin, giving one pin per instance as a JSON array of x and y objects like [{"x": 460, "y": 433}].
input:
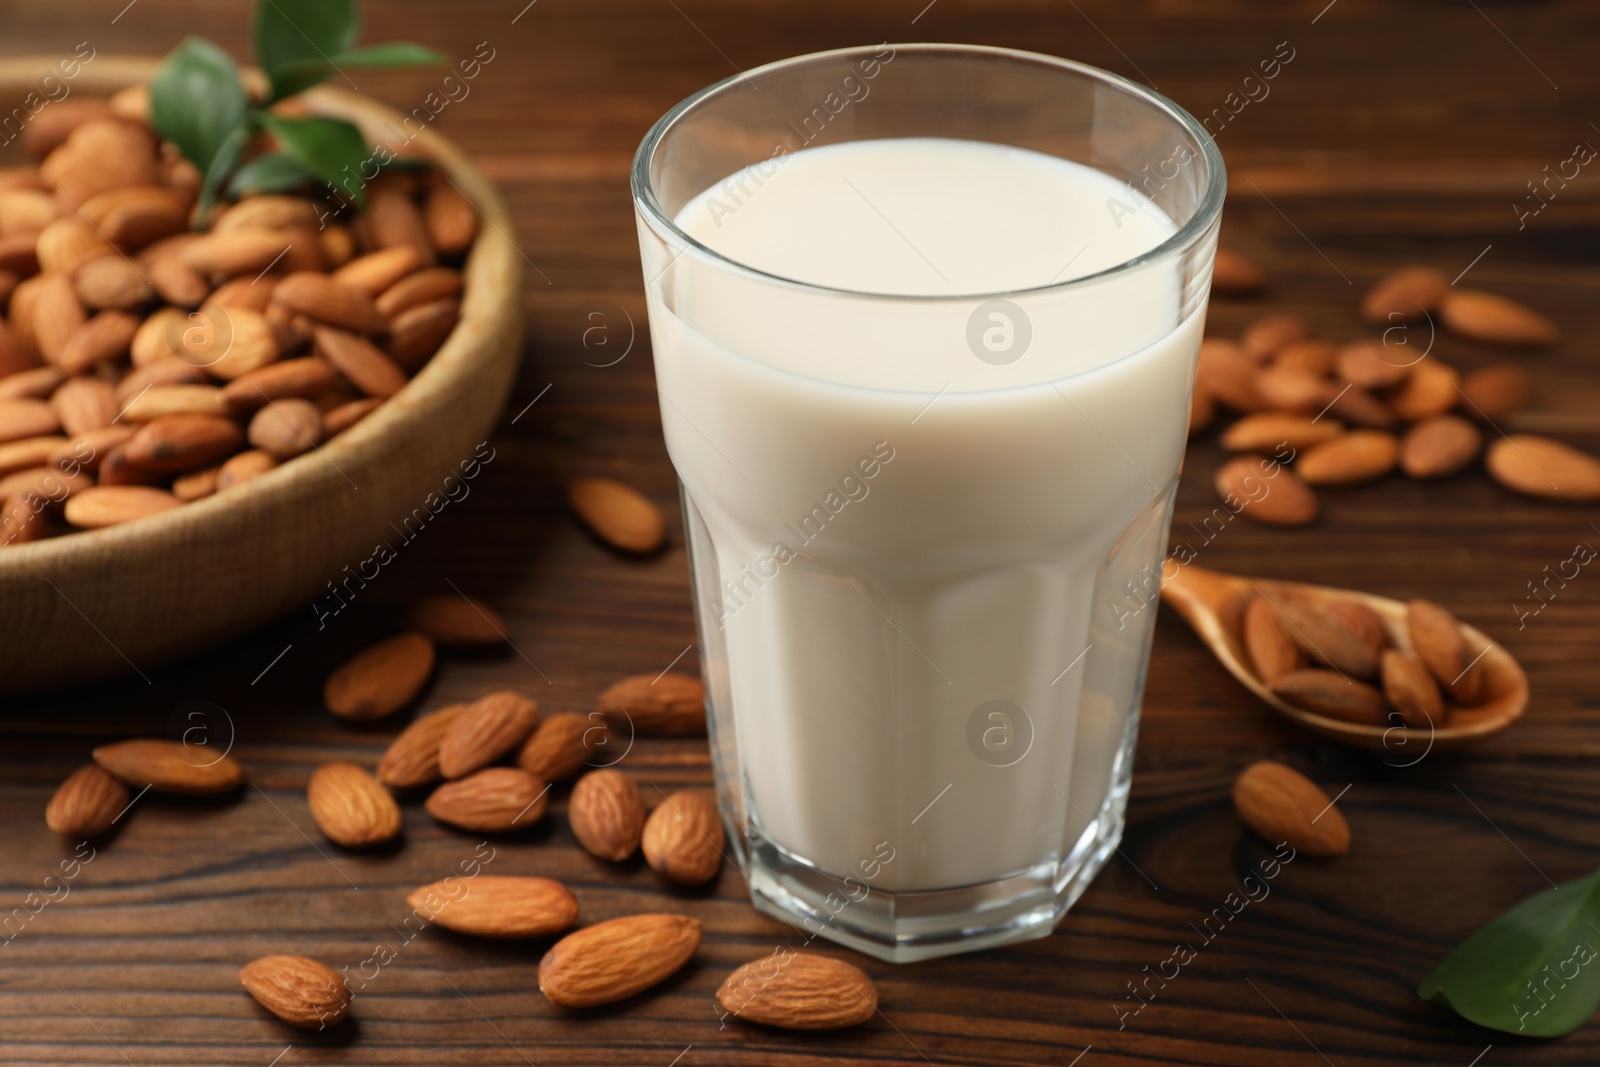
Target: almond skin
[
  {"x": 1359, "y": 407},
  {"x": 1290, "y": 389},
  {"x": 1234, "y": 274},
  {"x": 1438, "y": 641},
  {"x": 1279, "y": 500},
  {"x": 619, "y": 515},
  {"x": 1266, "y": 335},
  {"x": 298, "y": 990},
  {"x": 1228, "y": 375},
  {"x": 1343, "y": 634},
  {"x": 1431, "y": 389},
  {"x": 616, "y": 959},
  {"x": 328, "y": 301},
  {"x": 412, "y": 758},
  {"x": 560, "y": 746},
  {"x": 1496, "y": 392},
  {"x": 366, "y": 366},
  {"x": 490, "y": 727},
  {"x": 1279, "y": 803},
  {"x": 1482, "y": 316},
  {"x": 497, "y": 906},
  {"x": 286, "y": 428},
  {"x": 1267, "y": 430},
  {"x": 457, "y": 621},
  {"x": 1544, "y": 468},
  {"x": 170, "y": 766},
  {"x": 799, "y": 991},
  {"x": 1349, "y": 459},
  {"x": 1309, "y": 355},
  {"x": 1272, "y": 650},
  {"x": 1412, "y": 691},
  {"x": 350, "y": 807},
  {"x": 108, "y": 505},
  {"x": 1332, "y": 695},
  {"x": 381, "y": 680},
  {"x": 171, "y": 443},
  {"x": 1439, "y": 447},
  {"x": 495, "y": 800},
  {"x": 1409, "y": 294},
  {"x": 683, "y": 837},
  {"x": 667, "y": 705},
  {"x": 87, "y": 803},
  {"x": 1371, "y": 365},
  {"x": 606, "y": 814}
]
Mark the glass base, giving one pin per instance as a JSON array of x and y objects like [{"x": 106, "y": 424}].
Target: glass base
[{"x": 905, "y": 927}]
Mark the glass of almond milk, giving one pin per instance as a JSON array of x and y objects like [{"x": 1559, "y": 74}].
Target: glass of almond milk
[{"x": 925, "y": 321}]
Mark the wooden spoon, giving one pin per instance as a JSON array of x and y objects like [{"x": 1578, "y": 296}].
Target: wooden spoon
[{"x": 1214, "y": 604}]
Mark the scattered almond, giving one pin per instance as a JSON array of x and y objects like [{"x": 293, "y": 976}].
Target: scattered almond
[
  {"x": 1227, "y": 375},
  {"x": 1541, "y": 467},
  {"x": 560, "y": 746},
  {"x": 799, "y": 991},
  {"x": 412, "y": 758},
  {"x": 1482, "y": 316},
  {"x": 494, "y": 800},
  {"x": 656, "y": 705},
  {"x": 457, "y": 621},
  {"x": 1351, "y": 458},
  {"x": 490, "y": 727},
  {"x": 1282, "y": 805},
  {"x": 381, "y": 680},
  {"x": 87, "y": 803},
  {"x": 1233, "y": 274},
  {"x": 1266, "y": 431},
  {"x": 298, "y": 990},
  {"x": 683, "y": 837},
  {"x": 1371, "y": 365},
  {"x": 351, "y": 807},
  {"x": 613, "y": 960},
  {"x": 1407, "y": 295},
  {"x": 497, "y": 906},
  {"x": 1496, "y": 392},
  {"x": 1439, "y": 447},
  {"x": 171, "y": 766},
  {"x": 620, "y": 516},
  {"x": 1266, "y": 335},
  {"x": 1431, "y": 389},
  {"x": 607, "y": 814},
  {"x": 1278, "y": 498}
]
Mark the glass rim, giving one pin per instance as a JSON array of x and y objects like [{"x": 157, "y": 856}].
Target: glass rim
[{"x": 1205, "y": 215}]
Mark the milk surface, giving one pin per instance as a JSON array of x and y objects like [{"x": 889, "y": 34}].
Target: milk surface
[{"x": 904, "y": 528}]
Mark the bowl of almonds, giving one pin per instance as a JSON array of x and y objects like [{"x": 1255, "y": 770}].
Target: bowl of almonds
[{"x": 216, "y": 393}]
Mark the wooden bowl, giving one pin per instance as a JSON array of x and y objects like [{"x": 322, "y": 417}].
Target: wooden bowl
[{"x": 125, "y": 598}]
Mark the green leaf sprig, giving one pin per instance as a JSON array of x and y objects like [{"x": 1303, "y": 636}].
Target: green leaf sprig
[{"x": 198, "y": 101}]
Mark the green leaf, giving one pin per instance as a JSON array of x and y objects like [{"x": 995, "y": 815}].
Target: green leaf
[
  {"x": 271, "y": 173},
  {"x": 331, "y": 149},
  {"x": 1533, "y": 971},
  {"x": 305, "y": 73},
  {"x": 222, "y": 164},
  {"x": 196, "y": 100},
  {"x": 288, "y": 32}
]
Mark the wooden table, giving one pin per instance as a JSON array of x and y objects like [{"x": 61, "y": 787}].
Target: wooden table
[{"x": 1398, "y": 132}]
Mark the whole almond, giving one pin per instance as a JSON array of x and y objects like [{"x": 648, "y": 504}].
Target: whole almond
[
  {"x": 1437, "y": 639},
  {"x": 606, "y": 814},
  {"x": 452, "y": 221},
  {"x": 242, "y": 342},
  {"x": 377, "y": 271},
  {"x": 656, "y": 705},
  {"x": 1234, "y": 274},
  {"x": 683, "y": 837},
  {"x": 116, "y": 469},
  {"x": 233, "y": 253},
  {"x": 1308, "y": 355},
  {"x": 423, "y": 287},
  {"x": 245, "y": 294},
  {"x": 417, "y": 332},
  {"x": 1412, "y": 691},
  {"x": 1541, "y": 467},
  {"x": 22, "y": 518},
  {"x": 490, "y": 727},
  {"x": 1265, "y": 431},
  {"x": 613, "y": 960},
  {"x": 1483, "y": 316},
  {"x": 1283, "y": 805},
  {"x": 306, "y": 377},
  {"x": 182, "y": 442},
  {"x": 351, "y": 807},
  {"x": 363, "y": 363},
  {"x": 1439, "y": 447},
  {"x": 286, "y": 428},
  {"x": 109, "y": 505},
  {"x": 1268, "y": 643},
  {"x": 28, "y": 452},
  {"x": 298, "y": 990},
  {"x": 392, "y": 219},
  {"x": 1268, "y": 334},
  {"x": 196, "y": 485},
  {"x": 799, "y": 991},
  {"x": 1357, "y": 406},
  {"x": 177, "y": 283},
  {"x": 619, "y": 515},
  {"x": 267, "y": 211},
  {"x": 23, "y": 419},
  {"x": 171, "y": 766},
  {"x": 457, "y": 621},
  {"x": 1228, "y": 375},
  {"x": 341, "y": 418},
  {"x": 1431, "y": 389},
  {"x": 1373, "y": 365},
  {"x": 1289, "y": 389},
  {"x": 1495, "y": 392},
  {"x": 1342, "y": 633},
  {"x": 381, "y": 680},
  {"x": 112, "y": 282},
  {"x": 497, "y": 905},
  {"x": 493, "y": 801},
  {"x": 87, "y": 804},
  {"x": 53, "y": 314},
  {"x": 1332, "y": 695},
  {"x": 1278, "y": 498},
  {"x": 1408, "y": 294},
  {"x": 1350, "y": 458},
  {"x": 412, "y": 758},
  {"x": 35, "y": 383},
  {"x": 183, "y": 400},
  {"x": 84, "y": 404},
  {"x": 134, "y": 216},
  {"x": 49, "y": 483},
  {"x": 241, "y": 467},
  {"x": 561, "y": 745},
  {"x": 328, "y": 301},
  {"x": 69, "y": 242}
]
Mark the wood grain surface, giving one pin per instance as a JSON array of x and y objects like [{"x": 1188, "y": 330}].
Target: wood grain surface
[{"x": 1399, "y": 132}]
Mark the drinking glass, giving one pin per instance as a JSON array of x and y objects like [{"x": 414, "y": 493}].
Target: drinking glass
[{"x": 925, "y": 586}]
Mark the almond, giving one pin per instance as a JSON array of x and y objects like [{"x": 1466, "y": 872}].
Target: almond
[
  {"x": 1351, "y": 458},
  {"x": 177, "y": 401},
  {"x": 1265, "y": 431},
  {"x": 683, "y": 837},
  {"x": 326, "y": 300},
  {"x": 267, "y": 211},
  {"x": 412, "y": 758},
  {"x": 84, "y": 404},
  {"x": 799, "y": 991},
  {"x": 1343, "y": 634},
  {"x": 68, "y": 242},
  {"x": 117, "y": 469},
  {"x": 298, "y": 990},
  {"x": 1309, "y": 356},
  {"x": 305, "y": 377},
  {"x": 1541, "y": 467},
  {"x": 49, "y": 483},
  {"x": 177, "y": 283},
  {"x": 105, "y": 337},
  {"x": 1437, "y": 639},
  {"x": 35, "y": 383},
  {"x": 606, "y": 814},
  {"x": 171, "y": 766},
  {"x": 452, "y": 221},
  {"x": 1228, "y": 375},
  {"x": 378, "y": 271},
  {"x": 1371, "y": 365},
  {"x": 350, "y": 807},
  {"x": 393, "y": 220},
  {"x": 22, "y": 518},
  {"x": 87, "y": 803},
  {"x": 497, "y": 906},
  {"x": 341, "y": 418},
  {"x": 108, "y": 505},
  {"x": 1268, "y": 334},
  {"x": 1495, "y": 392},
  {"x": 423, "y": 287},
  {"x": 1482, "y": 316},
  {"x": 285, "y": 428},
  {"x": 1439, "y": 447},
  {"x": 495, "y": 800},
  {"x": 336, "y": 245},
  {"x": 241, "y": 342},
  {"x": 381, "y": 680},
  {"x": 1408, "y": 294},
  {"x": 490, "y": 727},
  {"x": 1278, "y": 499},
  {"x": 1355, "y": 405},
  {"x": 665, "y": 705},
  {"x": 183, "y": 442},
  {"x": 28, "y": 452},
  {"x": 233, "y": 253},
  {"x": 614, "y": 960},
  {"x": 22, "y": 419},
  {"x": 196, "y": 485},
  {"x": 159, "y": 337},
  {"x": 19, "y": 252},
  {"x": 560, "y": 746},
  {"x": 620, "y": 516},
  {"x": 1267, "y": 641},
  {"x": 112, "y": 282},
  {"x": 1282, "y": 805},
  {"x": 457, "y": 621},
  {"x": 1288, "y": 389},
  {"x": 417, "y": 332},
  {"x": 1431, "y": 389},
  {"x": 1332, "y": 695},
  {"x": 134, "y": 216},
  {"x": 241, "y": 467},
  {"x": 53, "y": 314},
  {"x": 1412, "y": 691},
  {"x": 245, "y": 294},
  {"x": 52, "y": 125},
  {"x": 366, "y": 367}
]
